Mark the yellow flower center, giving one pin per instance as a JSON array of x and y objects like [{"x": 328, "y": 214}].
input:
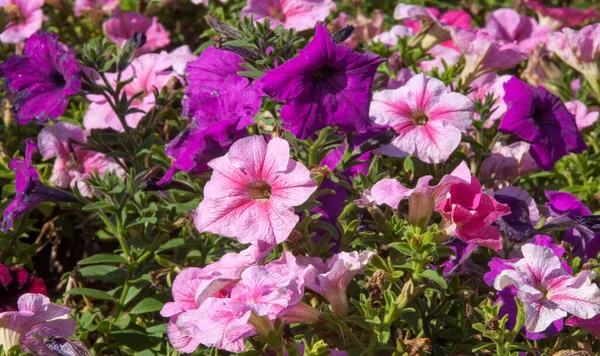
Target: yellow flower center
[
  {"x": 420, "y": 118},
  {"x": 259, "y": 190}
]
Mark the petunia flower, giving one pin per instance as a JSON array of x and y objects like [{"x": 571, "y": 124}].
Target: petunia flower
[
  {"x": 213, "y": 68},
  {"x": 30, "y": 192},
  {"x": 365, "y": 28},
  {"x": 180, "y": 57},
  {"x": 507, "y": 25},
  {"x": 148, "y": 72},
  {"x": 517, "y": 226},
  {"x": 558, "y": 17},
  {"x": 468, "y": 214},
  {"x": 73, "y": 164},
  {"x": 24, "y": 19},
  {"x": 390, "y": 38},
  {"x": 327, "y": 84},
  {"x": 540, "y": 118},
  {"x": 483, "y": 54},
  {"x": 581, "y": 50},
  {"x": 42, "y": 79},
  {"x": 592, "y": 325},
  {"x": 14, "y": 282},
  {"x": 297, "y": 14},
  {"x": 583, "y": 117},
  {"x": 548, "y": 292},
  {"x": 441, "y": 55},
  {"x": 423, "y": 198},
  {"x": 252, "y": 192},
  {"x": 490, "y": 83},
  {"x": 94, "y": 7},
  {"x": 429, "y": 120},
  {"x": 36, "y": 319},
  {"x": 123, "y": 25},
  {"x": 506, "y": 163},
  {"x": 460, "y": 263}
]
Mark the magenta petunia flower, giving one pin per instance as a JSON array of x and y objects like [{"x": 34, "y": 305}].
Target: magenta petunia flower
[
  {"x": 252, "y": 192},
  {"x": 297, "y": 14},
  {"x": 14, "y": 282},
  {"x": 25, "y": 18},
  {"x": 583, "y": 117},
  {"x": 592, "y": 325},
  {"x": 42, "y": 79},
  {"x": 30, "y": 192},
  {"x": 327, "y": 84},
  {"x": 429, "y": 120},
  {"x": 540, "y": 117},
  {"x": 36, "y": 319},
  {"x": 73, "y": 165},
  {"x": 468, "y": 214},
  {"x": 94, "y": 6},
  {"x": 507, "y": 25},
  {"x": 549, "y": 292},
  {"x": 123, "y": 25},
  {"x": 558, "y": 17}
]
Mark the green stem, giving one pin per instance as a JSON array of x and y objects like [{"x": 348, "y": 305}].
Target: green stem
[{"x": 313, "y": 151}]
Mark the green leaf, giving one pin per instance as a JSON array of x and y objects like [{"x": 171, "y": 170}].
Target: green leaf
[
  {"x": 149, "y": 305},
  {"x": 158, "y": 329},
  {"x": 99, "y": 205},
  {"x": 434, "y": 276},
  {"x": 102, "y": 258},
  {"x": 91, "y": 293},
  {"x": 103, "y": 272},
  {"x": 402, "y": 247},
  {"x": 173, "y": 243}
]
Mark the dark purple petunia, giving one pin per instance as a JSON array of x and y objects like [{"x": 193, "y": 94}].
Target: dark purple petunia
[
  {"x": 461, "y": 263},
  {"x": 30, "y": 192},
  {"x": 327, "y": 84},
  {"x": 540, "y": 117},
  {"x": 42, "y": 79},
  {"x": 14, "y": 282},
  {"x": 516, "y": 226},
  {"x": 331, "y": 208}
]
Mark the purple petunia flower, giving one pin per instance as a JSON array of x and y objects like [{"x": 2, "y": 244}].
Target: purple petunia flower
[
  {"x": 30, "y": 192},
  {"x": 42, "y": 79},
  {"x": 540, "y": 117},
  {"x": 327, "y": 84},
  {"x": 14, "y": 282},
  {"x": 460, "y": 263}
]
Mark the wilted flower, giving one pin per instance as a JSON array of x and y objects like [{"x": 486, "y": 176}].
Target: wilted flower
[
  {"x": 507, "y": 25},
  {"x": 297, "y": 14},
  {"x": 24, "y": 19},
  {"x": 548, "y": 292},
  {"x": 429, "y": 120},
  {"x": 542, "y": 70},
  {"x": 123, "y": 25},
  {"x": 583, "y": 117},
  {"x": 558, "y": 17},
  {"x": 42, "y": 79},
  {"x": 252, "y": 192},
  {"x": 327, "y": 84},
  {"x": 14, "y": 282},
  {"x": 540, "y": 118},
  {"x": 430, "y": 30}
]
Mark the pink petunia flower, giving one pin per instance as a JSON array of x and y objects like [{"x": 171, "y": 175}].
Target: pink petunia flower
[
  {"x": 25, "y": 18},
  {"x": 507, "y": 163},
  {"x": 549, "y": 292},
  {"x": 149, "y": 72},
  {"x": 252, "y": 192},
  {"x": 441, "y": 55},
  {"x": 490, "y": 83},
  {"x": 507, "y": 25},
  {"x": 365, "y": 28},
  {"x": 297, "y": 14},
  {"x": 36, "y": 319},
  {"x": 558, "y": 17},
  {"x": 583, "y": 117},
  {"x": 423, "y": 198},
  {"x": 483, "y": 54},
  {"x": 180, "y": 57},
  {"x": 390, "y": 38},
  {"x": 592, "y": 325},
  {"x": 123, "y": 25},
  {"x": 429, "y": 120},
  {"x": 468, "y": 214},
  {"x": 94, "y": 7},
  {"x": 73, "y": 164}
]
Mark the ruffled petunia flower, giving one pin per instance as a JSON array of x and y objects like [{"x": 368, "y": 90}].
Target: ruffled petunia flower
[
  {"x": 429, "y": 120},
  {"x": 540, "y": 118},
  {"x": 252, "y": 192},
  {"x": 327, "y": 84},
  {"x": 558, "y": 17},
  {"x": 73, "y": 164},
  {"x": 25, "y": 18},
  {"x": 548, "y": 292},
  {"x": 583, "y": 117},
  {"x": 42, "y": 79},
  {"x": 468, "y": 214},
  {"x": 506, "y": 163},
  {"x": 35, "y": 320},
  {"x": 507, "y": 25},
  {"x": 483, "y": 54},
  {"x": 94, "y": 7},
  {"x": 423, "y": 198},
  {"x": 149, "y": 72},
  {"x": 14, "y": 282},
  {"x": 30, "y": 192},
  {"x": 297, "y": 14},
  {"x": 123, "y": 25}
]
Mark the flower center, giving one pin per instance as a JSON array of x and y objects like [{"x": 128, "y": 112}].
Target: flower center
[
  {"x": 278, "y": 14},
  {"x": 58, "y": 79},
  {"x": 420, "y": 118},
  {"x": 259, "y": 190},
  {"x": 546, "y": 293},
  {"x": 13, "y": 12},
  {"x": 322, "y": 73}
]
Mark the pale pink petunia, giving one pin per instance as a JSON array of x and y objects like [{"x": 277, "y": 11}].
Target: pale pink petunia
[
  {"x": 73, "y": 165},
  {"x": 297, "y": 14},
  {"x": 490, "y": 83},
  {"x": 252, "y": 192},
  {"x": 94, "y": 7},
  {"x": 429, "y": 120},
  {"x": 506, "y": 163},
  {"x": 24, "y": 17},
  {"x": 149, "y": 72},
  {"x": 423, "y": 198},
  {"x": 365, "y": 28},
  {"x": 429, "y": 31},
  {"x": 180, "y": 57},
  {"x": 390, "y": 38},
  {"x": 507, "y": 25},
  {"x": 583, "y": 117},
  {"x": 441, "y": 55},
  {"x": 123, "y": 25},
  {"x": 36, "y": 319},
  {"x": 548, "y": 292}
]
